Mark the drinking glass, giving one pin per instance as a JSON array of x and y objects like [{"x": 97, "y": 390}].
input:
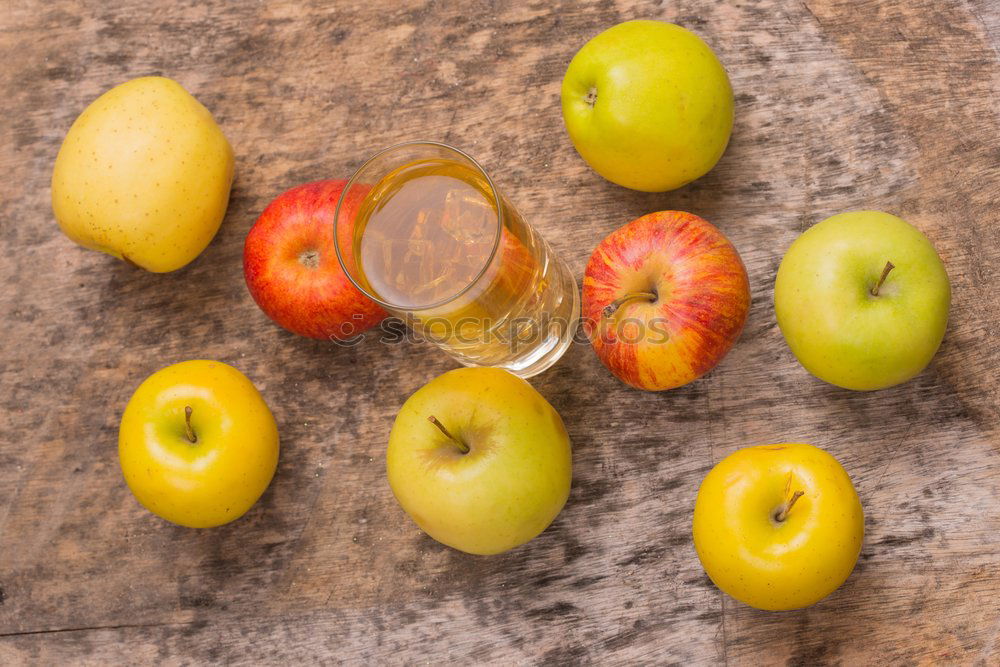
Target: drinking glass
[{"x": 422, "y": 230}]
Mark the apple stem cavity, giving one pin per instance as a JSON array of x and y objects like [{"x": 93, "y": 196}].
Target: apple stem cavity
[
  {"x": 591, "y": 97},
  {"x": 462, "y": 447},
  {"x": 786, "y": 507},
  {"x": 189, "y": 431},
  {"x": 889, "y": 266},
  {"x": 610, "y": 309}
]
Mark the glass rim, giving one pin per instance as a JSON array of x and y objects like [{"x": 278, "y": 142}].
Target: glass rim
[{"x": 353, "y": 180}]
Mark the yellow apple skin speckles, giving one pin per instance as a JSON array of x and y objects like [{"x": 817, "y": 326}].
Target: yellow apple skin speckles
[{"x": 143, "y": 175}]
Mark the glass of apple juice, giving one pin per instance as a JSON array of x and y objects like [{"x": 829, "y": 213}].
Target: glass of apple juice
[{"x": 422, "y": 230}]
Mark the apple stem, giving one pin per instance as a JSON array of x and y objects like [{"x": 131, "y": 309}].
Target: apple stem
[
  {"x": 889, "y": 266},
  {"x": 462, "y": 447},
  {"x": 591, "y": 97},
  {"x": 785, "y": 508},
  {"x": 192, "y": 438},
  {"x": 610, "y": 309}
]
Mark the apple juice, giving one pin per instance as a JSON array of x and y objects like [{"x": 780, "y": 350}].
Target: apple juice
[{"x": 431, "y": 239}]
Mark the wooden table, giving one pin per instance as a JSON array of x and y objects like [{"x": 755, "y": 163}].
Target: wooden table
[{"x": 841, "y": 105}]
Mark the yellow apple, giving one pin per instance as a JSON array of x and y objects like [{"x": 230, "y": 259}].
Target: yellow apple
[
  {"x": 778, "y": 526},
  {"x": 648, "y": 105},
  {"x": 197, "y": 444},
  {"x": 479, "y": 460},
  {"x": 144, "y": 175}
]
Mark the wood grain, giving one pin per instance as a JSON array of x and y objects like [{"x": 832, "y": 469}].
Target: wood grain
[{"x": 840, "y": 105}]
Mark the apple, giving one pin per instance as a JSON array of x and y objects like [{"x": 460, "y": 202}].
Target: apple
[
  {"x": 778, "y": 526},
  {"x": 144, "y": 175},
  {"x": 862, "y": 299},
  {"x": 197, "y": 444},
  {"x": 291, "y": 267},
  {"x": 664, "y": 299},
  {"x": 648, "y": 105},
  {"x": 479, "y": 460}
]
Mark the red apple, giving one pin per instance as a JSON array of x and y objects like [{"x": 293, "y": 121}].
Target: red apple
[
  {"x": 291, "y": 267},
  {"x": 664, "y": 299}
]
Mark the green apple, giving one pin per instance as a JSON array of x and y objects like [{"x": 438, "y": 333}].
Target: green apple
[
  {"x": 862, "y": 299},
  {"x": 648, "y": 105},
  {"x": 479, "y": 460}
]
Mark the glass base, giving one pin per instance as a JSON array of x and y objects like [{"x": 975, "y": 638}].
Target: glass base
[{"x": 546, "y": 353}]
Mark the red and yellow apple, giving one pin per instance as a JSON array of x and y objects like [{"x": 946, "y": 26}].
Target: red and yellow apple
[
  {"x": 664, "y": 299},
  {"x": 291, "y": 267}
]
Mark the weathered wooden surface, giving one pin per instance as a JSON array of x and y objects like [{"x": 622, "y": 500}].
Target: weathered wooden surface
[{"x": 840, "y": 105}]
